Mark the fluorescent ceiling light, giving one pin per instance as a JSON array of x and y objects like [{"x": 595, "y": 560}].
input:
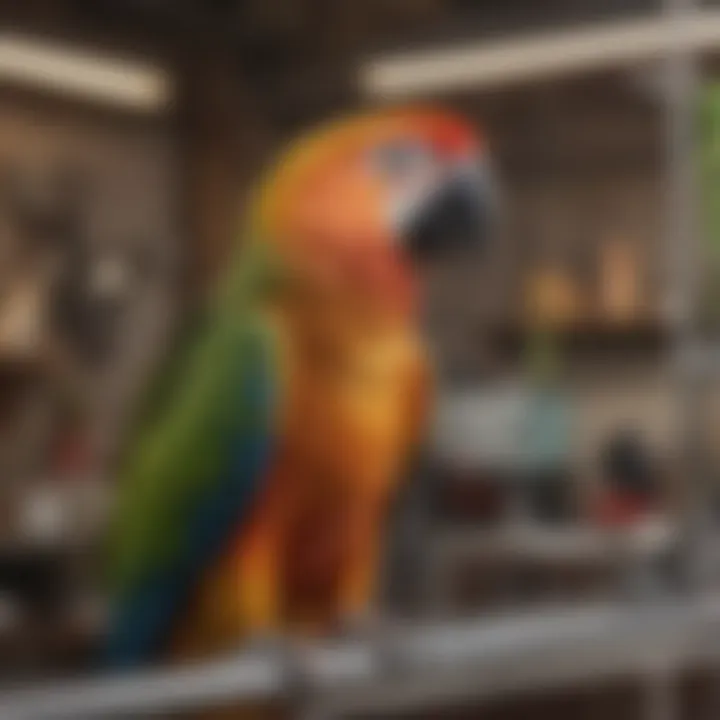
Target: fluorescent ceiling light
[
  {"x": 83, "y": 74},
  {"x": 565, "y": 52}
]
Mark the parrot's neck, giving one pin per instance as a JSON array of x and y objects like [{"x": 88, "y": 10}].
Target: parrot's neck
[
  {"x": 330, "y": 331},
  {"x": 334, "y": 319}
]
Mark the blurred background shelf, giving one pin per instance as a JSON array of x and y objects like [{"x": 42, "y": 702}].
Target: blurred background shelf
[
  {"x": 579, "y": 543},
  {"x": 19, "y": 369},
  {"x": 586, "y": 338}
]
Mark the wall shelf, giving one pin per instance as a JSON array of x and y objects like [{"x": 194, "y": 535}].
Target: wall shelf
[{"x": 591, "y": 337}]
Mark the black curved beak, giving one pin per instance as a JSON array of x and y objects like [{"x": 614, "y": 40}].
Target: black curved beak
[{"x": 456, "y": 216}]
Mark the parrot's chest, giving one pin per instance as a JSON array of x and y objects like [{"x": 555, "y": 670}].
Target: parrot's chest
[{"x": 350, "y": 413}]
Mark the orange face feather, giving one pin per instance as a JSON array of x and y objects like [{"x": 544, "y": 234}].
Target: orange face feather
[{"x": 335, "y": 204}]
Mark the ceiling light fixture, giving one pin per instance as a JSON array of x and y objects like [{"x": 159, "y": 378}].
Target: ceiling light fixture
[
  {"x": 84, "y": 74},
  {"x": 496, "y": 62}
]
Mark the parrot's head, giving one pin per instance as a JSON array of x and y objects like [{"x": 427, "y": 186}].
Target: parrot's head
[{"x": 357, "y": 203}]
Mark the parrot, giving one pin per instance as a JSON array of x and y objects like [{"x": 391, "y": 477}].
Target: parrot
[{"x": 253, "y": 497}]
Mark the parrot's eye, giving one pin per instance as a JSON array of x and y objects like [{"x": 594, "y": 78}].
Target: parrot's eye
[{"x": 400, "y": 160}]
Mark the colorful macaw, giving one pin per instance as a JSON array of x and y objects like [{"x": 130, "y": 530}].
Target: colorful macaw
[{"x": 254, "y": 496}]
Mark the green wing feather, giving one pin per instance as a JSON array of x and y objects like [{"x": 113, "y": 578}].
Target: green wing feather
[{"x": 199, "y": 428}]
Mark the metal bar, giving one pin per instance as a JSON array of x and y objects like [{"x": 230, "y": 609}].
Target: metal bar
[
  {"x": 644, "y": 541},
  {"x": 250, "y": 677},
  {"x": 681, "y": 93},
  {"x": 410, "y": 666},
  {"x": 683, "y": 268}
]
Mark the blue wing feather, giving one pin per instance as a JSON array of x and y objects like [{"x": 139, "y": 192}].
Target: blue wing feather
[{"x": 145, "y": 617}]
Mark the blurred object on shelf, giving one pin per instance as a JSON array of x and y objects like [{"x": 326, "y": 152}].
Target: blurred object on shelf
[
  {"x": 630, "y": 486},
  {"x": 43, "y": 516},
  {"x": 33, "y": 581},
  {"x": 550, "y": 496},
  {"x": 21, "y": 321},
  {"x": 53, "y": 219},
  {"x": 86, "y": 281},
  {"x": 544, "y": 445},
  {"x": 477, "y": 567},
  {"x": 478, "y": 498},
  {"x": 477, "y": 425},
  {"x": 552, "y": 297},
  {"x": 70, "y": 455},
  {"x": 69, "y": 451},
  {"x": 475, "y": 441},
  {"x": 89, "y": 298},
  {"x": 67, "y": 512},
  {"x": 620, "y": 294},
  {"x": 628, "y": 466},
  {"x": 505, "y": 440}
]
